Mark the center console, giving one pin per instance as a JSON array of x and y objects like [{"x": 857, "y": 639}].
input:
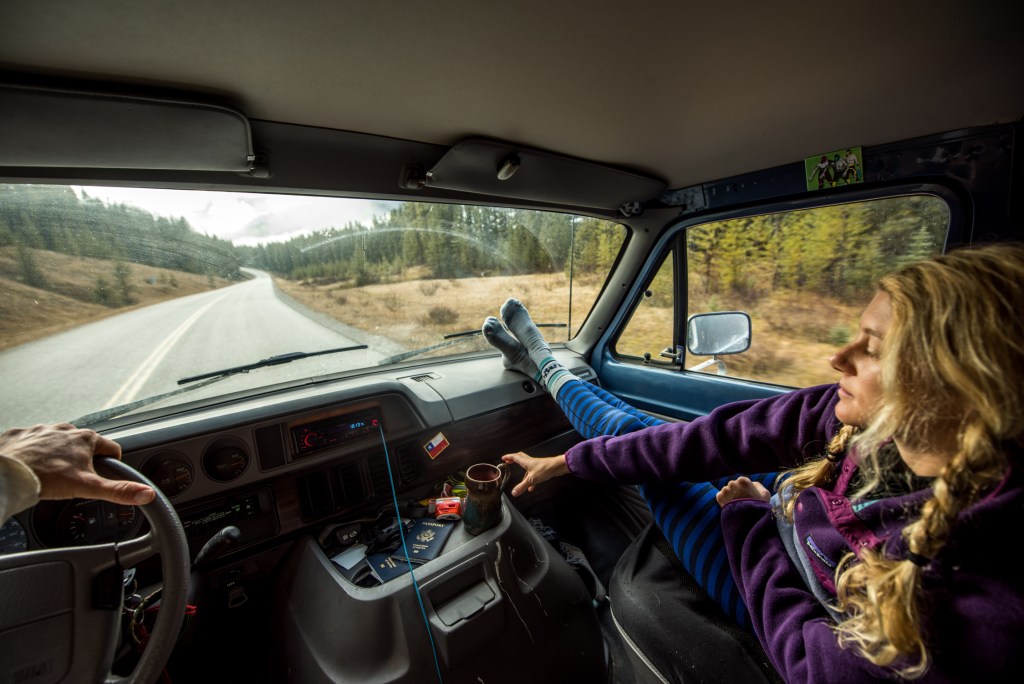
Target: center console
[{"x": 501, "y": 606}]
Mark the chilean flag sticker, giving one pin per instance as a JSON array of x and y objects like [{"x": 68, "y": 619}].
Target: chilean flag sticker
[{"x": 435, "y": 446}]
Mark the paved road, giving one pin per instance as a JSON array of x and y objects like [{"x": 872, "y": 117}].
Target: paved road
[{"x": 144, "y": 352}]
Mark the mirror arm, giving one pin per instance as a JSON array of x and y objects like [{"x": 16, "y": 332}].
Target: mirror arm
[
  {"x": 676, "y": 356},
  {"x": 719, "y": 364}
]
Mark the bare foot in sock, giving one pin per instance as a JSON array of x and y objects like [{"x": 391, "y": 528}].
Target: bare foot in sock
[{"x": 514, "y": 354}]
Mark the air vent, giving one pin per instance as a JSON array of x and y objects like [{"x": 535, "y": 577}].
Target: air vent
[
  {"x": 425, "y": 376},
  {"x": 583, "y": 372},
  {"x": 377, "y": 466},
  {"x": 408, "y": 466},
  {"x": 350, "y": 485},
  {"x": 315, "y": 496},
  {"x": 270, "y": 446}
]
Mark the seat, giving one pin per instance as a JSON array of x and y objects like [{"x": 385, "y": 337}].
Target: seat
[{"x": 672, "y": 629}]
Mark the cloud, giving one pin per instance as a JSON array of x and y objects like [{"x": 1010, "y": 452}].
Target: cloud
[{"x": 247, "y": 218}]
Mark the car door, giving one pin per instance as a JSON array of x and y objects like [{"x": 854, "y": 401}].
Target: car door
[{"x": 801, "y": 266}]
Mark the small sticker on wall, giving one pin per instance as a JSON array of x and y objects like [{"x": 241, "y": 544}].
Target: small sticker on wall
[
  {"x": 435, "y": 446},
  {"x": 832, "y": 169}
]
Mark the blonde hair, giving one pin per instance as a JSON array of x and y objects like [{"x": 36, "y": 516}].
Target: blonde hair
[{"x": 953, "y": 382}]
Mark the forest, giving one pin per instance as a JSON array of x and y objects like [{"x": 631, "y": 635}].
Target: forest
[
  {"x": 56, "y": 219},
  {"x": 444, "y": 241},
  {"x": 837, "y": 251}
]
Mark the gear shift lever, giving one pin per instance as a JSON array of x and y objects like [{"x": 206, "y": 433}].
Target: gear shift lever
[
  {"x": 216, "y": 547},
  {"x": 198, "y": 585}
]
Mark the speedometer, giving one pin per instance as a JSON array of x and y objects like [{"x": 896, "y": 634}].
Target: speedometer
[
  {"x": 171, "y": 472},
  {"x": 13, "y": 538}
]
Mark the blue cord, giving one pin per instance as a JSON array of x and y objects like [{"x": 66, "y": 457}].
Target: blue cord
[{"x": 405, "y": 549}]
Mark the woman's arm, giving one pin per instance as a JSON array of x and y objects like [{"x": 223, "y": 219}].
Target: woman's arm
[
  {"x": 742, "y": 437},
  {"x": 537, "y": 470},
  {"x": 789, "y": 621}
]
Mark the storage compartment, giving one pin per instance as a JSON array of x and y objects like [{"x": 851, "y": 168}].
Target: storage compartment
[
  {"x": 500, "y": 606},
  {"x": 468, "y": 610}
]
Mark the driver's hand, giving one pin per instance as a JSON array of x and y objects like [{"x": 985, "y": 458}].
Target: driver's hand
[
  {"x": 61, "y": 456},
  {"x": 537, "y": 470}
]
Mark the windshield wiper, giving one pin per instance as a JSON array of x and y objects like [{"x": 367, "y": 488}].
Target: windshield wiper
[
  {"x": 451, "y": 339},
  {"x": 263, "y": 363},
  {"x": 207, "y": 378}
]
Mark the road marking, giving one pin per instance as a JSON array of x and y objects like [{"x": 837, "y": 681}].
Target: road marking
[{"x": 142, "y": 374}]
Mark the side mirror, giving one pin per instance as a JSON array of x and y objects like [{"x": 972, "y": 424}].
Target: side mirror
[{"x": 717, "y": 334}]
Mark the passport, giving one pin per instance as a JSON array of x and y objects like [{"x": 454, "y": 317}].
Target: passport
[
  {"x": 425, "y": 539},
  {"x": 386, "y": 568}
]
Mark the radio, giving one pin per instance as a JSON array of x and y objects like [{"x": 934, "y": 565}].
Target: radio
[{"x": 335, "y": 431}]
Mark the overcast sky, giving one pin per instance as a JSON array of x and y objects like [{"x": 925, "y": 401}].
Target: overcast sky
[{"x": 246, "y": 218}]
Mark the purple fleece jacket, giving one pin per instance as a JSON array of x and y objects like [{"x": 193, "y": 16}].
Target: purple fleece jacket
[{"x": 974, "y": 594}]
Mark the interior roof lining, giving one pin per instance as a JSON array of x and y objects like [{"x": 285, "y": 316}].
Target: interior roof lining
[{"x": 682, "y": 92}]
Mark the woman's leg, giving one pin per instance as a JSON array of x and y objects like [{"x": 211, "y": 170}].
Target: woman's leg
[
  {"x": 690, "y": 519},
  {"x": 590, "y": 409},
  {"x": 687, "y": 513},
  {"x": 594, "y": 412}
]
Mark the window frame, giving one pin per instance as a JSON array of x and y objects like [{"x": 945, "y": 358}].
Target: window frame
[{"x": 674, "y": 234}]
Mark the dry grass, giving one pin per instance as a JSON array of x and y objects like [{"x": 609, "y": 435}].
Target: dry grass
[
  {"x": 410, "y": 312},
  {"x": 30, "y": 313},
  {"x": 791, "y": 334}
]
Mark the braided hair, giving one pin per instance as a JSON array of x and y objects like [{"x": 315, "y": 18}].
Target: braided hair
[{"x": 952, "y": 383}]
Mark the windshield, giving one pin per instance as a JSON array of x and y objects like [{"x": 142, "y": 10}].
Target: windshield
[{"x": 111, "y": 296}]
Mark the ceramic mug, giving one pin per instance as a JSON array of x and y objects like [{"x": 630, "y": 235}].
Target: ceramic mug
[{"x": 484, "y": 484}]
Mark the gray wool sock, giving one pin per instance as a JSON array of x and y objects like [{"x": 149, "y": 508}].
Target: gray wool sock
[
  {"x": 517, "y": 319},
  {"x": 514, "y": 355}
]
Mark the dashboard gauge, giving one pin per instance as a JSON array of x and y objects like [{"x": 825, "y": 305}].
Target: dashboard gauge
[
  {"x": 95, "y": 522},
  {"x": 171, "y": 473},
  {"x": 13, "y": 538},
  {"x": 225, "y": 461}
]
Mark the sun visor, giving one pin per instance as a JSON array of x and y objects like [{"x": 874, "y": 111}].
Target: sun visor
[
  {"x": 42, "y": 127},
  {"x": 490, "y": 167}
]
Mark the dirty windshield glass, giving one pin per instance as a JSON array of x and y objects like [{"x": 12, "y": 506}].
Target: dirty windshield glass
[{"x": 115, "y": 300}]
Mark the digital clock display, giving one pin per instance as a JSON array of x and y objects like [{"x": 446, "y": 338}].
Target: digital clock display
[{"x": 333, "y": 432}]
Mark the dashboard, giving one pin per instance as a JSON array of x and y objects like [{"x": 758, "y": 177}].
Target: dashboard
[{"x": 277, "y": 463}]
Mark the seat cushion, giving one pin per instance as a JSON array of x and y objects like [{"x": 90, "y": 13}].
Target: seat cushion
[{"x": 674, "y": 632}]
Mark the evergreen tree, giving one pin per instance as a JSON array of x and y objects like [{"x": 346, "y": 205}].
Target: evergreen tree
[
  {"x": 30, "y": 273},
  {"x": 122, "y": 276}
]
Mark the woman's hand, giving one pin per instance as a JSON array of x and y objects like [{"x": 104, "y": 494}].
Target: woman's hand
[{"x": 537, "y": 470}]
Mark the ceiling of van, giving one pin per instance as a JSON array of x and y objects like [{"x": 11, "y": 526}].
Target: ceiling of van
[{"x": 686, "y": 92}]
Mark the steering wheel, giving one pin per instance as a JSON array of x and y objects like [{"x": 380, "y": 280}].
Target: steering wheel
[{"x": 60, "y": 609}]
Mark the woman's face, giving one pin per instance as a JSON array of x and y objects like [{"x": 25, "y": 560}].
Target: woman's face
[{"x": 860, "y": 387}]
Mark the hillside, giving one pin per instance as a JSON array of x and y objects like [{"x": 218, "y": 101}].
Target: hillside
[
  {"x": 790, "y": 341},
  {"x": 68, "y": 291}
]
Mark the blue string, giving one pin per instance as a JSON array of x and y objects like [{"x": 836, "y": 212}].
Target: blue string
[{"x": 405, "y": 549}]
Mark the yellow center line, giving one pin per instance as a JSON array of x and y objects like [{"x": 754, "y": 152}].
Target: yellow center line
[{"x": 142, "y": 374}]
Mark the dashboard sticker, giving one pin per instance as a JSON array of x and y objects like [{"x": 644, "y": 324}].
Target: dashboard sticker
[
  {"x": 832, "y": 169},
  {"x": 435, "y": 446}
]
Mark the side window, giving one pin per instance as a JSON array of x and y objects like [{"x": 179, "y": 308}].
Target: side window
[
  {"x": 649, "y": 330},
  {"x": 804, "y": 277}
]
